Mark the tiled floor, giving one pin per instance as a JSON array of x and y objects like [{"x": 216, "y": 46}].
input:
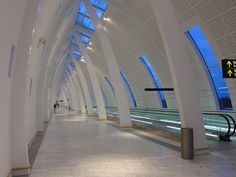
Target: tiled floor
[{"x": 75, "y": 146}]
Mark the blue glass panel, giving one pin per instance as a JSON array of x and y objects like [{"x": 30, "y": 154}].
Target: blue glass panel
[
  {"x": 155, "y": 80},
  {"x": 84, "y": 39},
  {"x": 103, "y": 4},
  {"x": 91, "y": 26},
  {"x": 207, "y": 54},
  {"x": 110, "y": 85},
  {"x": 77, "y": 55},
  {"x": 86, "y": 22},
  {"x": 105, "y": 98},
  {"x": 83, "y": 18},
  {"x": 82, "y": 9},
  {"x": 99, "y": 13},
  {"x": 130, "y": 90},
  {"x": 204, "y": 46},
  {"x": 79, "y": 19},
  {"x": 71, "y": 63},
  {"x": 73, "y": 41},
  {"x": 95, "y": 2},
  {"x": 100, "y": 6}
]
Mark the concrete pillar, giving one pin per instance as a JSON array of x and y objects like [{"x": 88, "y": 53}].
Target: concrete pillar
[
  {"x": 84, "y": 85},
  {"x": 181, "y": 71},
  {"x": 113, "y": 67},
  {"x": 94, "y": 80}
]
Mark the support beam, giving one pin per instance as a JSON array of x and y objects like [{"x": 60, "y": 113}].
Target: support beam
[
  {"x": 79, "y": 93},
  {"x": 184, "y": 82},
  {"x": 84, "y": 85},
  {"x": 94, "y": 80},
  {"x": 113, "y": 67},
  {"x": 75, "y": 96}
]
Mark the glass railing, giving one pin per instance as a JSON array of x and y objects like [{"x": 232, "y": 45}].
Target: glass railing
[{"x": 217, "y": 124}]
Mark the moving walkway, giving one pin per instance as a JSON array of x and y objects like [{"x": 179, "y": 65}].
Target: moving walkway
[{"x": 218, "y": 125}]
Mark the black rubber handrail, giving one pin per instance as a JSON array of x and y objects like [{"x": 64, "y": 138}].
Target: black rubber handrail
[
  {"x": 226, "y": 116},
  {"x": 227, "y": 120},
  {"x": 234, "y": 125}
]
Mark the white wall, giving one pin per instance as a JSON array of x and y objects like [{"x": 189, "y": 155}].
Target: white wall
[{"x": 11, "y": 20}]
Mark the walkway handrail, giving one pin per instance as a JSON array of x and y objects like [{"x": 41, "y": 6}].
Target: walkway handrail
[
  {"x": 227, "y": 120},
  {"x": 234, "y": 125},
  {"x": 227, "y": 116}
]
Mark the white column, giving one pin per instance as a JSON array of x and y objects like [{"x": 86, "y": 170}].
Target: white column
[
  {"x": 75, "y": 96},
  {"x": 64, "y": 99},
  {"x": 68, "y": 96},
  {"x": 113, "y": 67},
  {"x": 84, "y": 85},
  {"x": 79, "y": 93},
  {"x": 181, "y": 71},
  {"x": 94, "y": 80}
]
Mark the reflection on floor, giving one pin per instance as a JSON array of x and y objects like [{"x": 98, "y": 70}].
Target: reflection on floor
[{"x": 76, "y": 146}]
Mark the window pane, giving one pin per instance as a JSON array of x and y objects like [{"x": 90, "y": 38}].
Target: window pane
[
  {"x": 207, "y": 54},
  {"x": 110, "y": 85},
  {"x": 204, "y": 47},
  {"x": 130, "y": 90},
  {"x": 155, "y": 80}
]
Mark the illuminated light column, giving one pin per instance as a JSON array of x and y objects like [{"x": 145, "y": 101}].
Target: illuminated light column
[
  {"x": 84, "y": 86},
  {"x": 94, "y": 80},
  {"x": 181, "y": 71},
  {"x": 113, "y": 67},
  {"x": 80, "y": 94}
]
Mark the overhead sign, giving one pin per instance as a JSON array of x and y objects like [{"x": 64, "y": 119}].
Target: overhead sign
[{"x": 229, "y": 68}]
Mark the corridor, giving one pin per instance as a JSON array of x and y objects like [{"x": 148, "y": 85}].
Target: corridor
[{"x": 77, "y": 146}]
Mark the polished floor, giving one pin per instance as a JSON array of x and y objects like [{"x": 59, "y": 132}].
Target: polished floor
[{"x": 77, "y": 146}]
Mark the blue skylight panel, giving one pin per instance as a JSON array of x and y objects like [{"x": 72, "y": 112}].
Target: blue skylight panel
[
  {"x": 130, "y": 90},
  {"x": 79, "y": 19},
  {"x": 204, "y": 47},
  {"x": 82, "y": 9},
  {"x": 83, "y": 18},
  {"x": 85, "y": 38},
  {"x": 155, "y": 80},
  {"x": 73, "y": 41},
  {"x": 103, "y": 4},
  {"x": 71, "y": 63},
  {"x": 100, "y": 6},
  {"x": 99, "y": 13},
  {"x": 77, "y": 55},
  {"x": 207, "y": 55},
  {"x": 110, "y": 85}
]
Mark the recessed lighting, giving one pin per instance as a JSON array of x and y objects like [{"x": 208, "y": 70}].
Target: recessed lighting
[{"x": 106, "y": 19}]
